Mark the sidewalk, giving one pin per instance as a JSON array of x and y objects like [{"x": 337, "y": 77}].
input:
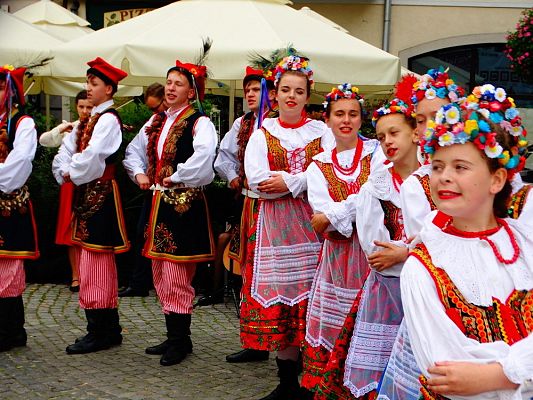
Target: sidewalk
[{"x": 43, "y": 370}]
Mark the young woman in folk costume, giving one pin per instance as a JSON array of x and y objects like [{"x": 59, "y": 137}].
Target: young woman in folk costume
[
  {"x": 362, "y": 349},
  {"x": 331, "y": 178},
  {"x": 18, "y": 232},
  {"x": 283, "y": 253},
  {"x": 400, "y": 379},
  {"x": 54, "y": 138},
  {"x": 473, "y": 303}
]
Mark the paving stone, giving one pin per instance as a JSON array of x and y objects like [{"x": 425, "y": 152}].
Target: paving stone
[{"x": 42, "y": 370}]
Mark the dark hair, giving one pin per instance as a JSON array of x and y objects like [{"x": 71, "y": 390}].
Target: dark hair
[
  {"x": 155, "y": 90},
  {"x": 297, "y": 73},
  {"x": 182, "y": 71},
  {"x": 501, "y": 200},
  {"x": 328, "y": 108},
  {"x": 81, "y": 96},
  {"x": 104, "y": 78},
  {"x": 256, "y": 78}
]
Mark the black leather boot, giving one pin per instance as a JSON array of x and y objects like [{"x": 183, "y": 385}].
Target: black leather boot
[
  {"x": 97, "y": 337},
  {"x": 114, "y": 329},
  {"x": 18, "y": 333},
  {"x": 179, "y": 339},
  {"x": 5, "y": 324},
  {"x": 158, "y": 349},
  {"x": 247, "y": 355},
  {"x": 288, "y": 388}
]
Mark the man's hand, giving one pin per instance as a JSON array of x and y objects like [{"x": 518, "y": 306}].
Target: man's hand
[
  {"x": 275, "y": 184},
  {"x": 319, "y": 222},
  {"x": 389, "y": 256},
  {"x": 143, "y": 181},
  {"x": 236, "y": 184},
  {"x": 167, "y": 182},
  {"x": 468, "y": 379}
]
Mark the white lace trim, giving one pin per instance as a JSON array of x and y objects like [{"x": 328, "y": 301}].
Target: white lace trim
[{"x": 313, "y": 129}]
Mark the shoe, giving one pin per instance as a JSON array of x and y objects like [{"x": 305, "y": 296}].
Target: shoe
[
  {"x": 74, "y": 288},
  {"x": 157, "y": 350},
  {"x": 89, "y": 344},
  {"x": 132, "y": 292},
  {"x": 248, "y": 355},
  {"x": 210, "y": 299}
]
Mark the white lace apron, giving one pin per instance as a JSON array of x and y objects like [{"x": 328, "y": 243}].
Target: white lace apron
[
  {"x": 376, "y": 326},
  {"x": 341, "y": 273},
  {"x": 286, "y": 252},
  {"x": 400, "y": 380}
]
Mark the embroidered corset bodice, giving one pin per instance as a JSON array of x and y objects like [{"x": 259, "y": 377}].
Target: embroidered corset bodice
[
  {"x": 510, "y": 321},
  {"x": 294, "y": 161},
  {"x": 517, "y": 201},
  {"x": 338, "y": 188},
  {"x": 393, "y": 220},
  {"x": 424, "y": 181}
]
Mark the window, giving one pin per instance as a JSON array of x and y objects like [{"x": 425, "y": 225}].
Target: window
[{"x": 475, "y": 65}]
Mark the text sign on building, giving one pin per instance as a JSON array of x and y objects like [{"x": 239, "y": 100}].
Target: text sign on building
[{"x": 115, "y": 17}]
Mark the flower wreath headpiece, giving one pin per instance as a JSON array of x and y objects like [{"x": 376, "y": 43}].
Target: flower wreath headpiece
[
  {"x": 468, "y": 122},
  {"x": 436, "y": 83},
  {"x": 293, "y": 62},
  {"x": 395, "y": 106},
  {"x": 344, "y": 91}
]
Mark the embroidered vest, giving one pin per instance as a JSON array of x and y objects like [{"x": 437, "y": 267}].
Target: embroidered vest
[
  {"x": 517, "y": 202},
  {"x": 177, "y": 148},
  {"x": 424, "y": 181},
  {"x": 277, "y": 154},
  {"x": 8, "y": 138},
  {"x": 392, "y": 218},
  {"x": 85, "y": 132},
  {"x": 510, "y": 321},
  {"x": 338, "y": 188},
  {"x": 245, "y": 131}
]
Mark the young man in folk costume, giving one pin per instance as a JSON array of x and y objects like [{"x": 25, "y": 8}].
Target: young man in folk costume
[
  {"x": 18, "y": 236},
  {"x": 230, "y": 166},
  {"x": 87, "y": 158},
  {"x": 173, "y": 155}
]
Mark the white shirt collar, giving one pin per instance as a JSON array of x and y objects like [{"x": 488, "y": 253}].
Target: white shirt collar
[{"x": 102, "y": 107}]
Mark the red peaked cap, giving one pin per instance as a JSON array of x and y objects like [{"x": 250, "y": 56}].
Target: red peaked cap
[
  {"x": 199, "y": 72},
  {"x": 17, "y": 76},
  {"x": 258, "y": 72},
  {"x": 105, "y": 71}
]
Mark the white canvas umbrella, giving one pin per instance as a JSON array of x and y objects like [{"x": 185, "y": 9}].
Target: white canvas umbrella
[
  {"x": 146, "y": 46},
  {"x": 55, "y": 20}
]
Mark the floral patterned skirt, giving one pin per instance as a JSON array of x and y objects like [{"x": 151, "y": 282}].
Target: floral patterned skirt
[
  {"x": 273, "y": 328},
  {"x": 315, "y": 360}
]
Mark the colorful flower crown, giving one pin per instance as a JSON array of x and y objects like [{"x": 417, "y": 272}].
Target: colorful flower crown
[
  {"x": 468, "y": 122},
  {"x": 293, "y": 63},
  {"x": 395, "y": 106},
  {"x": 436, "y": 83},
  {"x": 344, "y": 91}
]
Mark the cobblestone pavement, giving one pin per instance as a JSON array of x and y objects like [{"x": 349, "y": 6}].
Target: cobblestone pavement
[{"x": 43, "y": 370}]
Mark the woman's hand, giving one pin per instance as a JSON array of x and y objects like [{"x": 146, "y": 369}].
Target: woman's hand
[
  {"x": 275, "y": 184},
  {"x": 389, "y": 256},
  {"x": 319, "y": 222},
  {"x": 468, "y": 379},
  {"x": 143, "y": 181}
]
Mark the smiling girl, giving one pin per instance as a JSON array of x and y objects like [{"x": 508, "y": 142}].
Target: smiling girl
[
  {"x": 331, "y": 178},
  {"x": 467, "y": 289},
  {"x": 283, "y": 252}
]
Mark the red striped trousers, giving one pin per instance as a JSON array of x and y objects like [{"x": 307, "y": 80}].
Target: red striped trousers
[
  {"x": 12, "y": 277},
  {"x": 173, "y": 284},
  {"x": 98, "y": 280}
]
